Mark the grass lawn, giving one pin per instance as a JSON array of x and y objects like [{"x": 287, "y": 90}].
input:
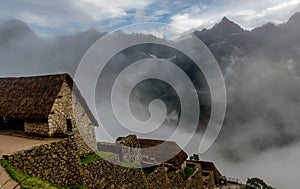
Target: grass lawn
[
  {"x": 128, "y": 164},
  {"x": 95, "y": 156},
  {"x": 103, "y": 155}
]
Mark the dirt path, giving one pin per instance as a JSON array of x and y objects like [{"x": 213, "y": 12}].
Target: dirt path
[{"x": 10, "y": 144}]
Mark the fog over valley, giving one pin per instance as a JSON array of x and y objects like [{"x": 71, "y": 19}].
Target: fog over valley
[{"x": 261, "y": 133}]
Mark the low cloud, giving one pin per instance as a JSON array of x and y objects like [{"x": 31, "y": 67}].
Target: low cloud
[{"x": 277, "y": 166}]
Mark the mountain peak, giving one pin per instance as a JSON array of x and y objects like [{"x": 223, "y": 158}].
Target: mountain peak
[
  {"x": 16, "y": 22},
  {"x": 93, "y": 31},
  {"x": 295, "y": 19},
  {"x": 15, "y": 25},
  {"x": 225, "y": 19},
  {"x": 16, "y": 29},
  {"x": 227, "y": 26}
]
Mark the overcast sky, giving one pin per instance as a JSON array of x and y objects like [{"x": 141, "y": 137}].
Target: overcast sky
[{"x": 61, "y": 17}]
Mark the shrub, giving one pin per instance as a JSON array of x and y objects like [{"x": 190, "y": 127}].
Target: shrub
[{"x": 188, "y": 171}]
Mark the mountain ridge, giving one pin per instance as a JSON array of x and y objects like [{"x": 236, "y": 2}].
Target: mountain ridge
[{"x": 225, "y": 39}]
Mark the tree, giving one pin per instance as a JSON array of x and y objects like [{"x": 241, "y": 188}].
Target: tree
[
  {"x": 195, "y": 157},
  {"x": 256, "y": 183}
]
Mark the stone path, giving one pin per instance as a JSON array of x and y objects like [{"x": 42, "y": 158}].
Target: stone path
[{"x": 10, "y": 144}]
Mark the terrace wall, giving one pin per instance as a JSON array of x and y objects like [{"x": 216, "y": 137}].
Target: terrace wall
[
  {"x": 104, "y": 174},
  {"x": 57, "y": 162}
]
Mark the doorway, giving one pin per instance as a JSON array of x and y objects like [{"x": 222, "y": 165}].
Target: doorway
[{"x": 11, "y": 124}]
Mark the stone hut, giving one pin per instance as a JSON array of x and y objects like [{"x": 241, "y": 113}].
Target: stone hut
[
  {"x": 154, "y": 152},
  {"x": 47, "y": 106}
]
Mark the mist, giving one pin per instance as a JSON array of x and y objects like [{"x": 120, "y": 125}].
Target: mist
[{"x": 261, "y": 134}]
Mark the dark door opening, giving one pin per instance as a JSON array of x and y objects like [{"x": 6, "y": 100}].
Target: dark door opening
[
  {"x": 12, "y": 124},
  {"x": 69, "y": 125},
  {"x": 1, "y": 123}
]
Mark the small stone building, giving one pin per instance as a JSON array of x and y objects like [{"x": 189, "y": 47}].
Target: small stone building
[
  {"x": 154, "y": 152},
  {"x": 47, "y": 106}
]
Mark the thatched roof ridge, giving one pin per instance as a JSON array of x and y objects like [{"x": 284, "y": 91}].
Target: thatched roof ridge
[{"x": 32, "y": 97}]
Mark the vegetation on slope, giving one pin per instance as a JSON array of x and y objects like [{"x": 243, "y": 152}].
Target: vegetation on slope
[
  {"x": 188, "y": 171},
  {"x": 128, "y": 164}
]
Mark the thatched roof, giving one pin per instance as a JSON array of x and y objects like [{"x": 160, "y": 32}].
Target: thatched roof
[
  {"x": 163, "y": 149},
  {"x": 32, "y": 97}
]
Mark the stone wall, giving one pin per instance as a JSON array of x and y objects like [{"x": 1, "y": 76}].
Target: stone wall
[
  {"x": 57, "y": 162},
  {"x": 36, "y": 128},
  {"x": 84, "y": 129},
  {"x": 162, "y": 178},
  {"x": 177, "y": 180},
  {"x": 211, "y": 180},
  {"x": 158, "y": 179},
  {"x": 61, "y": 111},
  {"x": 195, "y": 181},
  {"x": 67, "y": 106},
  {"x": 127, "y": 150},
  {"x": 104, "y": 174},
  {"x": 110, "y": 147},
  {"x": 131, "y": 149}
]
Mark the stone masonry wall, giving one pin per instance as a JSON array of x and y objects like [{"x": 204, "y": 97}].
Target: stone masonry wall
[
  {"x": 131, "y": 150},
  {"x": 158, "y": 179},
  {"x": 67, "y": 106},
  {"x": 61, "y": 111},
  {"x": 177, "y": 180},
  {"x": 161, "y": 178},
  {"x": 128, "y": 149},
  {"x": 36, "y": 128},
  {"x": 85, "y": 133},
  {"x": 104, "y": 174},
  {"x": 110, "y": 147},
  {"x": 57, "y": 162},
  {"x": 195, "y": 181}
]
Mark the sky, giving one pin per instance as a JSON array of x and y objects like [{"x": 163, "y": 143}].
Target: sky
[{"x": 64, "y": 17}]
